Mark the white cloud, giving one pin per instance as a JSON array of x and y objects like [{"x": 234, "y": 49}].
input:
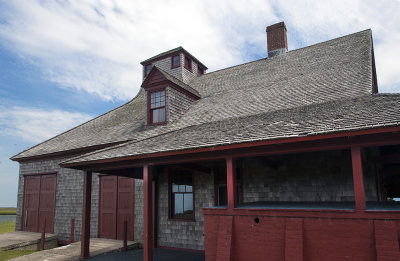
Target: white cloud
[
  {"x": 96, "y": 46},
  {"x": 37, "y": 125}
]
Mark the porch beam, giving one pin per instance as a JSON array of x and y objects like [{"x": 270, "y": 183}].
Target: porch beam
[
  {"x": 86, "y": 206},
  {"x": 358, "y": 179},
  {"x": 231, "y": 182},
  {"x": 148, "y": 213}
]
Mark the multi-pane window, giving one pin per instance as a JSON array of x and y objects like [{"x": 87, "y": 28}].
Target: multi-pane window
[
  {"x": 188, "y": 63},
  {"x": 147, "y": 69},
  {"x": 175, "y": 62},
  {"x": 157, "y": 107},
  {"x": 182, "y": 204},
  {"x": 200, "y": 71}
]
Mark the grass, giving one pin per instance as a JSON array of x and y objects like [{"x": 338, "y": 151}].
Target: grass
[
  {"x": 10, "y": 254},
  {"x": 8, "y": 211},
  {"x": 8, "y": 226}
]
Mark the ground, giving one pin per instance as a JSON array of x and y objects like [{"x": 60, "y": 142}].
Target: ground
[{"x": 9, "y": 226}]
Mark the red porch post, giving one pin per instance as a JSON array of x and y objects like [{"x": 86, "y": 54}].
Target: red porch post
[
  {"x": 231, "y": 182},
  {"x": 148, "y": 213},
  {"x": 86, "y": 205},
  {"x": 359, "y": 192}
]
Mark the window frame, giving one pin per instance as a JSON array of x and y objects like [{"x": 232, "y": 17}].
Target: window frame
[
  {"x": 145, "y": 69},
  {"x": 150, "y": 110},
  {"x": 199, "y": 68},
  {"x": 188, "y": 64},
  {"x": 171, "y": 198},
  {"x": 172, "y": 61}
]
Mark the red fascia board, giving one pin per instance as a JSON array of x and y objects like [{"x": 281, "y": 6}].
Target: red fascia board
[
  {"x": 242, "y": 145},
  {"x": 304, "y": 213},
  {"x": 155, "y": 86}
]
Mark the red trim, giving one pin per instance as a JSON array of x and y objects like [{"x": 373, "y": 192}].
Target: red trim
[
  {"x": 358, "y": 179},
  {"x": 41, "y": 174},
  {"x": 86, "y": 207},
  {"x": 172, "y": 61},
  {"x": 241, "y": 146},
  {"x": 149, "y": 114},
  {"x": 186, "y": 65},
  {"x": 231, "y": 182},
  {"x": 147, "y": 214},
  {"x": 182, "y": 249},
  {"x": 313, "y": 213},
  {"x": 171, "y": 217},
  {"x": 172, "y": 85}
]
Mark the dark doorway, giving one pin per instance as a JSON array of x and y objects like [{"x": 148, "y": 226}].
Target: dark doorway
[
  {"x": 116, "y": 205},
  {"x": 39, "y": 202}
]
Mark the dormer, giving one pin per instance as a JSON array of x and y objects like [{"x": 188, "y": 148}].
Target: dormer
[
  {"x": 177, "y": 62},
  {"x": 167, "y": 97}
]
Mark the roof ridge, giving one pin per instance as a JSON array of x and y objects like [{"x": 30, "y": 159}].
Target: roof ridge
[{"x": 291, "y": 51}]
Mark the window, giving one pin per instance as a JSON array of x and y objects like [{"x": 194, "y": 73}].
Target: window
[
  {"x": 200, "y": 71},
  {"x": 188, "y": 63},
  {"x": 147, "y": 69},
  {"x": 182, "y": 200},
  {"x": 175, "y": 61},
  {"x": 157, "y": 107}
]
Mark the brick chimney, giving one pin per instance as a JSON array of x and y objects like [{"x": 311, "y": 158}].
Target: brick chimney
[{"x": 276, "y": 39}]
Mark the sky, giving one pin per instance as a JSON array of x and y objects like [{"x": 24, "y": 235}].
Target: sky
[{"x": 64, "y": 62}]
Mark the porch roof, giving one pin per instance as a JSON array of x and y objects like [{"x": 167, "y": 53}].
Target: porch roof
[{"x": 366, "y": 112}]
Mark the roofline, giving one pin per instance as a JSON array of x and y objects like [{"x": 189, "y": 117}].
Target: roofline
[
  {"x": 169, "y": 53},
  {"x": 16, "y": 158},
  {"x": 243, "y": 145}
]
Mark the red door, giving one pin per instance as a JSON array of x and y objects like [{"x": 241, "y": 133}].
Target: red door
[
  {"x": 116, "y": 205},
  {"x": 39, "y": 202}
]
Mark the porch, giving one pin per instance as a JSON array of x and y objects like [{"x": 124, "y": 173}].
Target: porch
[{"x": 337, "y": 204}]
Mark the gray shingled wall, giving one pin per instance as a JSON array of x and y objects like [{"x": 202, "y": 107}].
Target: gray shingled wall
[
  {"x": 184, "y": 234},
  {"x": 319, "y": 176},
  {"x": 177, "y": 104},
  {"x": 68, "y": 196},
  {"x": 165, "y": 64},
  {"x": 138, "y": 229}
]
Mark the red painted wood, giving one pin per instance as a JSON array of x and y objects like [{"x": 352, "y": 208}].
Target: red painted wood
[
  {"x": 310, "y": 238},
  {"x": 86, "y": 206},
  {"x": 358, "y": 179},
  {"x": 125, "y": 236},
  {"x": 125, "y": 207},
  {"x": 231, "y": 182},
  {"x": 47, "y": 201},
  {"x": 294, "y": 235},
  {"x": 116, "y": 206},
  {"x": 31, "y": 203},
  {"x": 39, "y": 202},
  {"x": 108, "y": 207},
  {"x": 43, "y": 236},
  {"x": 224, "y": 242},
  {"x": 72, "y": 240},
  {"x": 368, "y": 138},
  {"x": 386, "y": 240},
  {"x": 148, "y": 213}
]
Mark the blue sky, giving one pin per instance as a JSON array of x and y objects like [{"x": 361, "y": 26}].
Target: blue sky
[{"x": 65, "y": 62}]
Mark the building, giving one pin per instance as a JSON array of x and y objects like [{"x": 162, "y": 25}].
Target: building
[{"x": 292, "y": 157}]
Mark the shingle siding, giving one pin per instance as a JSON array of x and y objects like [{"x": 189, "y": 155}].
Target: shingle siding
[
  {"x": 184, "y": 234},
  {"x": 68, "y": 196},
  {"x": 177, "y": 104}
]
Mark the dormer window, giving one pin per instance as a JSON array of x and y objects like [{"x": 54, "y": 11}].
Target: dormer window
[
  {"x": 200, "y": 71},
  {"x": 175, "y": 61},
  {"x": 147, "y": 70},
  {"x": 188, "y": 63},
  {"x": 157, "y": 107}
]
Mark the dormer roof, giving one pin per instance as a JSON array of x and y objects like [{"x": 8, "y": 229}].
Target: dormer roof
[
  {"x": 159, "y": 76},
  {"x": 170, "y": 53}
]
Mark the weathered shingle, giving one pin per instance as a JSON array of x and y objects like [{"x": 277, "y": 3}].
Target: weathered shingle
[
  {"x": 364, "y": 112},
  {"x": 329, "y": 71}
]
